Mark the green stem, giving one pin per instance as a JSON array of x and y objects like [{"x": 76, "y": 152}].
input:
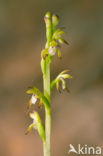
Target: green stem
[
  {"x": 46, "y": 80},
  {"x": 45, "y": 149},
  {"x": 46, "y": 83}
]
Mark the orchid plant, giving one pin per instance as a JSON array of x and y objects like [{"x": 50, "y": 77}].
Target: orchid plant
[{"x": 54, "y": 40}]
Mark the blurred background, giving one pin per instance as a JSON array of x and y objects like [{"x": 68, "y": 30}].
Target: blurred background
[{"x": 77, "y": 118}]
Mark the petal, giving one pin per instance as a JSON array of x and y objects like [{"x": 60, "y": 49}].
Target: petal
[
  {"x": 33, "y": 99},
  {"x": 52, "y": 50},
  {"x": 34, "y": 117},
  {"x": 29, "y": 128},
  {"x": 66, "y": 76},
  {"x": 59, "y": 53}
]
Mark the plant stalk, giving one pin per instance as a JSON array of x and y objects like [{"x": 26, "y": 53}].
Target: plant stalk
[
  {"x": 46, "y": 80},
  {"x": 46, "y": 83}
]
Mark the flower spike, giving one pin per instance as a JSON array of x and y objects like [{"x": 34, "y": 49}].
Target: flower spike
[{"x": 54, "y": 39}]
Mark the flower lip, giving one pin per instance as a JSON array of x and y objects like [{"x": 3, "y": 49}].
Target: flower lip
[
  {"x": 52, "y": 50},
  {"x": 33, "y": 99},
  {"x": 34, "y": 116}
]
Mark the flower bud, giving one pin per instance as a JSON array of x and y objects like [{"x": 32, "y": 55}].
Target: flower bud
[
  {"x": 47, "y": 18},
  {"x": 48, "y": 15},
  {"x": 55, "y": 20}
]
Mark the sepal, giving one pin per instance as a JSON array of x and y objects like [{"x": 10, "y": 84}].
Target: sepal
[
  {"x": 30, "y": 128},
  {"x": 59, "y": 53},
  {"x": 44, "y": 53},
  {"x": 58, "y": 33},
  {"x": 62, "y": 41}
]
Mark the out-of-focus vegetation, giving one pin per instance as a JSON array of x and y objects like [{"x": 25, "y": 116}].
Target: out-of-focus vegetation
[{"x": 78, "y": 116}]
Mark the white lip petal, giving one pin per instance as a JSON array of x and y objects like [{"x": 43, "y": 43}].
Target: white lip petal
[
  {"x": 33, "y": 99},
  {"x": 34, "y": 117},
  {"x": 52, "y": 50}
]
